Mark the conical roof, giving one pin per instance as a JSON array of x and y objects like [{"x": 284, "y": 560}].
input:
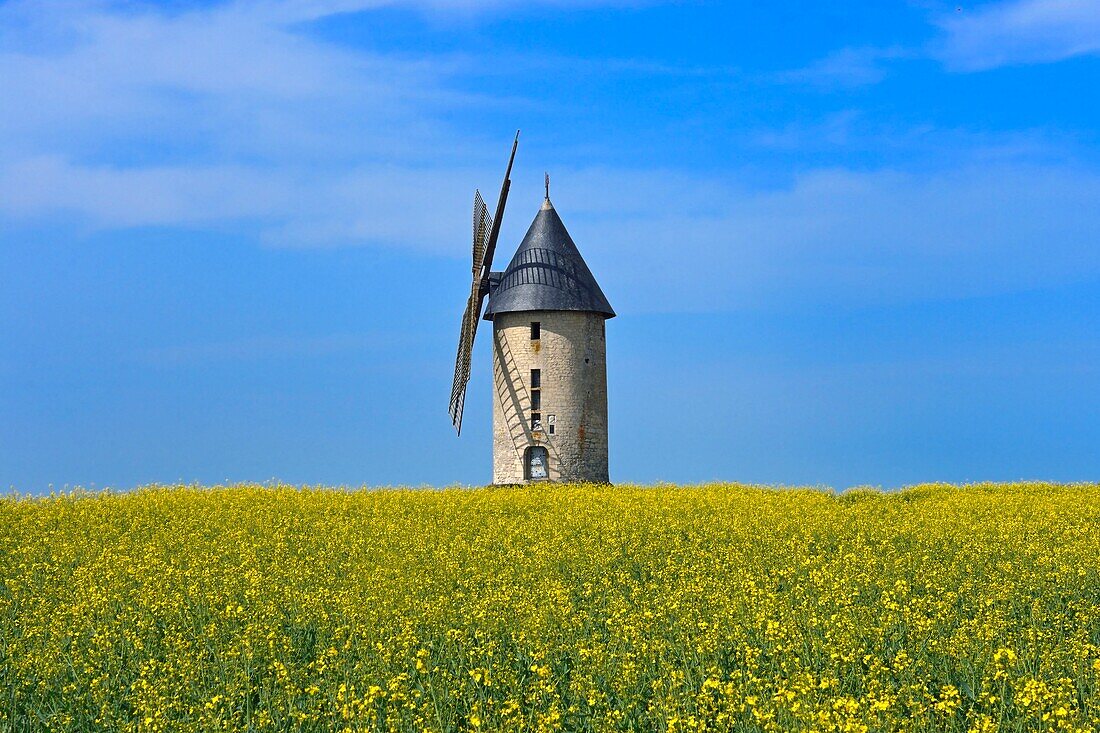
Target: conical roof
[{"x": 547, "y": 273}]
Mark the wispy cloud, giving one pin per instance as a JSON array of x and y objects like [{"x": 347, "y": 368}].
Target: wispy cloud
[
  {"x": 229, "y": 116},
  {"x": 234, "y": 115},
  {"x": 305, "y": 10},
  {"x": 136, "y": 116},
  {"x": 210, "y": 83},
  {"x": 270, "y": 347},
  {"x": 836, "y": 236},
  {"x": 1019, "y": 32},
  {"x": 975, "y": 39},
  {"x": 377, "y": 204},
  {"x": 847, "y": 68}
]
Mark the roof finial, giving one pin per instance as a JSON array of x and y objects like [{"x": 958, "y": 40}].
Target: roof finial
[{"x": 547, "y": 186}]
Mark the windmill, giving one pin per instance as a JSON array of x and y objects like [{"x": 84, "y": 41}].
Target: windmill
[
  {"x": 549, "y": 349},
  {"x": 486, "y": 231}
]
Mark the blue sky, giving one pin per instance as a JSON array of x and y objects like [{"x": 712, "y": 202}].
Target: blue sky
[{"x": 848, "y": 243}]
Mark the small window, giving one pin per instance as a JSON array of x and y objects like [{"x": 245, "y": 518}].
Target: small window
[
  {"x": 536, "y": 399},
  {"x": 536, "y": 378},
  {"x": 536, "y": 421},
  {"x": 551, "y": 428},
  {"x": 536, "y": 330}
]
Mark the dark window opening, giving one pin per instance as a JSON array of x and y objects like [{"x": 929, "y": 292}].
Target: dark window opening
[
  {"x": 551, "y": 428},
  {"x": 536, "y": 421},
  {"x": 536, "y": 378},
  {"x": 536, "y": 330},
  {"x": 536, "y": 399}
]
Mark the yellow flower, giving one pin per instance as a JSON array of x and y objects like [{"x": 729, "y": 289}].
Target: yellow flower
[{"x": 702, "y": 608}]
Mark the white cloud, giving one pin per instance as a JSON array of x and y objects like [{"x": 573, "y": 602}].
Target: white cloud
[
  {"x": 847, "y": 68},
  {"x": 1019, "y": 32},
  {"x": 147, "y": 196},
  {"x": 227, "y": 117},
  {"x": 305, "y": 10},
  {"x": 256, "y": 348},
  {"x": 835, "y": 236},
  {"x": 395, "y": 206},
  {"x": 217, "y": 83},
  {"x": 674, "y": 241},
  {"x": 218, "y": 116},
  {"x": 137, "y": 115},
  {"x": 972, "y": 39}
]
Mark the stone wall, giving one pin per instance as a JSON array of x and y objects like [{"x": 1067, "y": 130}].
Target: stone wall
[{"x": 571, "y": 355}]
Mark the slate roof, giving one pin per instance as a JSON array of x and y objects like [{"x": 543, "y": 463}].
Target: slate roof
[{"x": 547, "y": 273}]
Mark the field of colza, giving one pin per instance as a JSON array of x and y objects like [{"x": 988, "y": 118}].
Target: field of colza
[{"x": 583, "y": 608}]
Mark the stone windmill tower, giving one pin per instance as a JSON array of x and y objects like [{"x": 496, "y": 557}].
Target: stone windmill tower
[{"x": 549, "y": 351}]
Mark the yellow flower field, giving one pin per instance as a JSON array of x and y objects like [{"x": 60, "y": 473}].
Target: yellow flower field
[{"x": 717, "y": 607}]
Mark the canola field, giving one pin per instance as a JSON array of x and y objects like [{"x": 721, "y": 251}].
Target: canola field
[{"x": 585, "y": 608}]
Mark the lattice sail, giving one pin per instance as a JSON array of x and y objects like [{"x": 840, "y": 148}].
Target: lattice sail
[
  {"x": 485, "y": 231},
  {"x": 465, "y": 354},
  {"x": 482, "y": 224}
]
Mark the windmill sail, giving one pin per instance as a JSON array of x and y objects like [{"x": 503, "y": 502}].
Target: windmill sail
[
  {"x": 462, "y": 361},
  {"x": 482, "y": 224},
  {"x": 485, "y": 231}
]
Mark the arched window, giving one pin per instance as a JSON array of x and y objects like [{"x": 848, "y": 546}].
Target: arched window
[{"x": 536, "y": 463}]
